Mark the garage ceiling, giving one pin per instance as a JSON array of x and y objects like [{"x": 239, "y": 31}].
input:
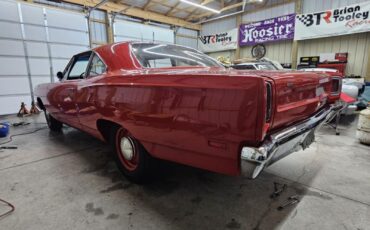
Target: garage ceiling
[
  {"x": 183, "y": 10},
  {"x": 175, "y": 12}
]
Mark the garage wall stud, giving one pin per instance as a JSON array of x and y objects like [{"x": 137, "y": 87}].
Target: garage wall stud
[
  {"x": 23, "y": 33},
  {"x": 48, "y": 45}
]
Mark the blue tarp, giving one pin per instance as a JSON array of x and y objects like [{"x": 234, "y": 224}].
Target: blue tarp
[{"x": 366, "y": 94}]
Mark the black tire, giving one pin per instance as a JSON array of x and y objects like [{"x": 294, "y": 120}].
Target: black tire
[
  {"x": 135, "y": 164},
  {"x": 53, "y": 124}
]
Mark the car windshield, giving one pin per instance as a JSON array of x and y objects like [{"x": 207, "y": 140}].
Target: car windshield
[{"x": 162, "y": 55}]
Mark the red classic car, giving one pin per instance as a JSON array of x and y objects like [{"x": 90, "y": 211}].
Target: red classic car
[{"x": 174, "y": 103}]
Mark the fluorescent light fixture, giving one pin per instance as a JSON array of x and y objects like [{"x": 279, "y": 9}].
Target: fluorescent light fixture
[{"x": 200, "y": 6}]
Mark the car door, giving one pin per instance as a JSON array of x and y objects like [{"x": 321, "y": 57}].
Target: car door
[
  {"x": 67, "y": 89},
  {"x": 87, "y": 99}
]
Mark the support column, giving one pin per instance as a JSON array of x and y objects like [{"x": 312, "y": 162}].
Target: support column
[
  {"x": 367, "y": 74},
  {"x": 238, "y": 23},
  {"x": 109, "y": 27},
  {"x": 294, "y": 53}
]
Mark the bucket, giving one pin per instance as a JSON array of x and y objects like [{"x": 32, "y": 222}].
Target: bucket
[{"x": 4, "y": 129}]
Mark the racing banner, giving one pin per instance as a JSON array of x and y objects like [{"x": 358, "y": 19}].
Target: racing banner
[
  {"x": 345, "y": 20},
  {"x": 219, "y": 42},
  {"x": 269, "y": 30}
]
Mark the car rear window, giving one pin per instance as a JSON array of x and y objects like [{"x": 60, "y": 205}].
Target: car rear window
[{"x": 163, "y": 55}]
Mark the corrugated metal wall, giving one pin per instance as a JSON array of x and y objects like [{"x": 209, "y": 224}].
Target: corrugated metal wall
[
  {"x": 270, "y": 12},
  {"x": 218, "y": 26},
  {"x": 310, "y": 6},
  {"x": 357, "y": 46},
  {"x": 187, "y": 37},
  {"x": 125, "y": 30},
  {"x": 34, "y": 44},
  {"x": 98, "y": 22},
  {"x": 280, "y": 51}
]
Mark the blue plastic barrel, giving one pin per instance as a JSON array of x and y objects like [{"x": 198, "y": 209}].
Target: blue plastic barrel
[{"x": 4, "y": 129}]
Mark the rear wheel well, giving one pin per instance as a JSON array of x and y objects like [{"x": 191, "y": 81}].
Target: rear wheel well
[
  {"x": 105, "y": 127},
  {"x": 40, "y": 104}
]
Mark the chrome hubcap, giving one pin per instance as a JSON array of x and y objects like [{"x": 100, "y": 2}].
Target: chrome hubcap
[{"x": 127, "y": 148}]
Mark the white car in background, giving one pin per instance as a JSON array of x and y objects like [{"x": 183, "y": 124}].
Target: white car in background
[
  {"x": 351, "y": 86},
  {"x": 254, "y": 66},
  {"x": 260, "y": 64}
]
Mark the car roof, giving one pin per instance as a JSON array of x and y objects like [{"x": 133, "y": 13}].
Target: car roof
[{"x": 119, "y": 56}]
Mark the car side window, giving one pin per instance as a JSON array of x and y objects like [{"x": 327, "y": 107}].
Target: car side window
[
  {"x": 97, "y": 67},
  {"x": 79, "y": 66}
]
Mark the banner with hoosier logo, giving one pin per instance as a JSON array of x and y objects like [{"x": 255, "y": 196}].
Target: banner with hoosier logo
[
  {"x": 269, "y": 30},
  {"x": 219, "y": 42},
  {"x": 345, "y": 20}
]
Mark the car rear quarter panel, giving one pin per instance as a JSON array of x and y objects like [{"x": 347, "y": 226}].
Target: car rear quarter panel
[{"x": 199, "y": 121}]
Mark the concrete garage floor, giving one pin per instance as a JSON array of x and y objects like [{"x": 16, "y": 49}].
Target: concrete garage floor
[{"x": 68, "y": 181}]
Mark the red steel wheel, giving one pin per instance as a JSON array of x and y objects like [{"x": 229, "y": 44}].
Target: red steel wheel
[
  {"x": 131, "y": 157},
  {"x": 127, "y": 150}
]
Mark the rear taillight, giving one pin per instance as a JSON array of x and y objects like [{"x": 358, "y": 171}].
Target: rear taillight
[
  {"x": 268, "y": 102},
  {"x": 336, "y": 86}
]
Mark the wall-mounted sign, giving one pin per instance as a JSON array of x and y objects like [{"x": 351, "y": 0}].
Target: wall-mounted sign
[
  {"x": 218, "y": 42},
  {"x": 345, "y": 20},
  {"x": 269, "y": 30}
]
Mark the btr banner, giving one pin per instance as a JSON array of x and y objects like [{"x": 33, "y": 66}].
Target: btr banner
[
  {"x": 219, "y": 41},
  {"x": 345, "y": 20},
  {"x": 270, "y": 30}
]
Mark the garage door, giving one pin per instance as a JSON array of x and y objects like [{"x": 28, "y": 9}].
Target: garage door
[
  {"x": 133, "y": 31},
  {"x": 35, "y": 43}
]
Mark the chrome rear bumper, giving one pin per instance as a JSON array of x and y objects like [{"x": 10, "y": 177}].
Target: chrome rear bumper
[{"x": 282, "y": 143}]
